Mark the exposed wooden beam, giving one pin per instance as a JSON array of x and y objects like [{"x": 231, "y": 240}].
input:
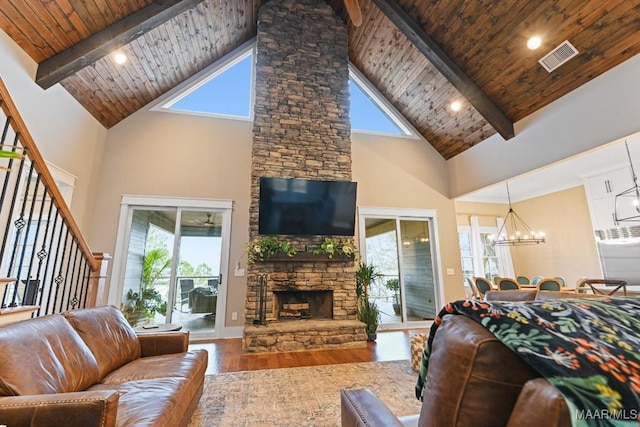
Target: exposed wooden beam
[
  {"x": 449, "y": 69},
  {"x": 353, "y": 9},
  {"x": 113, "y": 37}
]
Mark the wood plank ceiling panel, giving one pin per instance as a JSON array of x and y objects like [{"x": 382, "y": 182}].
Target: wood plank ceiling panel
[
  {"x": 491, "y": 47},
  {"x": 409, "y": 81},
  {"x": 43, "y": 29},
  {"x": 162, "y": 58}
]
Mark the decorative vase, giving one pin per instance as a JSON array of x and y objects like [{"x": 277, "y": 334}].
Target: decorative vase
[{"x": 371, "y": 337}]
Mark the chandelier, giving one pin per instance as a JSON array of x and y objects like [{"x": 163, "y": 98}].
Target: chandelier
[
  {"x": 521, "y": 233},
  {"x": 628, "y": 202}
]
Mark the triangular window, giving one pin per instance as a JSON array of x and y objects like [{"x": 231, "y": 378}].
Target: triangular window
[
  {"x": 226, "y": 92},
  {"x": 370, "y": 111}
]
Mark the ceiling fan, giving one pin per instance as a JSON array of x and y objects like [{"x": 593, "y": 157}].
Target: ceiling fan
[{"x": 208, "y": 222}]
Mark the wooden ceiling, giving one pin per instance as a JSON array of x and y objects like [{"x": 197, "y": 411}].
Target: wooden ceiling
[{"x": 421, "y": 55}]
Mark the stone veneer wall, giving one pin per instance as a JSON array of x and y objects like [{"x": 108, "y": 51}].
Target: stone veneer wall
[{"x": 301, "y": 129}]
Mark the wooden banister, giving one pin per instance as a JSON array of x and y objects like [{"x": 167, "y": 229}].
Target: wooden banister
[{"x": 32, "y": 152}]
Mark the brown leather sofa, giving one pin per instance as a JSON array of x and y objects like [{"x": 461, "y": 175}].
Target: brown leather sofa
[
  {"x": 472, "y": 380},
  {"x": 88, "y": 368}
]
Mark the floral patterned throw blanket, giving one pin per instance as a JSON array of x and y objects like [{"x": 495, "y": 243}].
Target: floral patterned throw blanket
[{"x": 588, "y": 348}]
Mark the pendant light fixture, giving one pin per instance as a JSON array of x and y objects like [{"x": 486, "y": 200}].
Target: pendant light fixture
[
  {"x": 521, "y": 234},
  {"x": 628, "y": 202}
]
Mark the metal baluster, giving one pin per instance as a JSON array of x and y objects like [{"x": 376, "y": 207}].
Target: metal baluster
[
  {"x": 49, "y": 277},
  {"x": 67, "y": 245},
  {"x": 59, "y": 260},
  {"x": 36, "y": 234},
  {"x": 42, "y": 253},
  {"x": 84, "y": 291},
  {"x": 73, "y": 302},
  {"x": 5, "y": 186},
  {"x": 29, "y": 220},
  {"x": 19, "y": 225}
]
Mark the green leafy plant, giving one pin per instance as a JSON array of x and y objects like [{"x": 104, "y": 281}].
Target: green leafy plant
[
  {"x": 262, "y": 248},
  {"x": 365, "y": 275},
  {"x": 369, "y": 314},
  {"x": 147, "y": 301},
  {"x": 367, "y": 311},
  {"x": 394, "y": 286},
  {"x": 331, "y": 247}
]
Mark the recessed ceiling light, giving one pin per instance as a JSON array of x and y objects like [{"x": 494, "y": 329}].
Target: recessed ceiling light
[
  {"x": 456, "y": 105},
  {"x": 120, "y": 58},
  {"x": 534, "y": 42}
]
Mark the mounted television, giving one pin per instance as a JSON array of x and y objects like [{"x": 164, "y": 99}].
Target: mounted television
[{"x": 306, "y": 207}]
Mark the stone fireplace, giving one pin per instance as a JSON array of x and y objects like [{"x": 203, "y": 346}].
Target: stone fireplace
[{"x": 302, "y": 130}]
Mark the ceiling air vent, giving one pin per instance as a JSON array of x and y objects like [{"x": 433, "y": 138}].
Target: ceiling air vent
[{"x": 558, "y": 56}]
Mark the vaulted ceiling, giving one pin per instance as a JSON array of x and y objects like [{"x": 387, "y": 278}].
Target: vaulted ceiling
[{"x": 421, "y": 55}]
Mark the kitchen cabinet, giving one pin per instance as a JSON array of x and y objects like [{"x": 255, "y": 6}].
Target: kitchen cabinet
[{"x": 601, "y": 190}]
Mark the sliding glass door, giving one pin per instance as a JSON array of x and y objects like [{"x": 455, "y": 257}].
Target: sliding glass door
[
  {"x": 174, "y": 265},
  {"x": 400, "y": 244}
]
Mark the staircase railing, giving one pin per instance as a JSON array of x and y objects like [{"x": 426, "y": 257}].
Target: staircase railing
[{"x": 41, "y": 247}]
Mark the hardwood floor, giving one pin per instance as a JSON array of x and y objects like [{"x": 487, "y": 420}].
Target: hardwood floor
[{"x": 225, "y": 355}]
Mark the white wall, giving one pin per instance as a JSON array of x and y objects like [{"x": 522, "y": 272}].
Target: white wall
[
  {"x": 599, "y": 112},
  {"x": 65, "y": 133}
]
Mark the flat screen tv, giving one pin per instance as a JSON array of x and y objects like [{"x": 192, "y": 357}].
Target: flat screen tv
[{"x": 306, "y": 207}]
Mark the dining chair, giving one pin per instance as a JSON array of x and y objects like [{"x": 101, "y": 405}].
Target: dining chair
[
  {"x": 508, "y": 284},
  {"x": 523, "y": 280},
  {"x": 563, "y": 283},
  {"x": 582, "y": 287},
  {"x": 496, "y": 279},
  {"x": 482, "y": 285},
  {"x": 548, "y": 284},
  {"x": 471, "y": 289},
  {"x": 536, "y": 280}
]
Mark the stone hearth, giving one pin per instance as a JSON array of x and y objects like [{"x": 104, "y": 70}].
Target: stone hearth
[{"x": 301, "y": 129}]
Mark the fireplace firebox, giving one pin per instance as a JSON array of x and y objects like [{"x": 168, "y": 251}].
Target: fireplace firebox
[{"x": 296, "y": 305}]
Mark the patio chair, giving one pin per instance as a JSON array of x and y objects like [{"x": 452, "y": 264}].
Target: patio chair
[{"x": 186, "y": 286}]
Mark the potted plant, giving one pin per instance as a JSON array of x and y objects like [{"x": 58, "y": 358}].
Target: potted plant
[
  {"x": 369, "y": 314},
  {"x": 368, "y": 311},
  {"x": 144, "y": 305},
  {"x": 394, "y": 286}
]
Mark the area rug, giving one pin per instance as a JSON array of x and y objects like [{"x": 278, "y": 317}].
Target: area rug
[{"x": 306, "y": 396}]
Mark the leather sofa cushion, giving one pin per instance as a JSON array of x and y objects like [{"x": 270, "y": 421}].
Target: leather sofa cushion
[
  {"x": 184, "y": 365},
  {"x": 473, "y": 379},
  {"x": 153, "y": 402},
  {"x": 108, "y": 335},
  {"x": 42, "y": 356},
  {"x": 540, "y": 404}
]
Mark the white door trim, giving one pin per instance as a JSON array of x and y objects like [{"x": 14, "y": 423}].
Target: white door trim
[{"x": 148, "y": 202}]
